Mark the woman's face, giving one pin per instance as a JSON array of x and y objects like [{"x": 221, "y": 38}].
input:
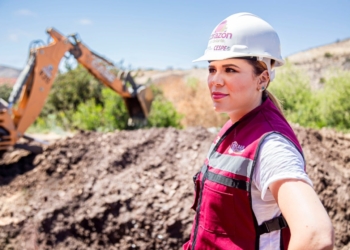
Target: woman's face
[{"x": 233, "y": 86}]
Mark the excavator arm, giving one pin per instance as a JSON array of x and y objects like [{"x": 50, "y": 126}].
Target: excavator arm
[{"x": 35, "y": 81}]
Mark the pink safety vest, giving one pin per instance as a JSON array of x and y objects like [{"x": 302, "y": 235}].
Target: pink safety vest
[{"x": 223, "y": 202}]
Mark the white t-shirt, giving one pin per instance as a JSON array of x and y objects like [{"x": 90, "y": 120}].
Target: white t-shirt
[{"x": 278, "y": 159}]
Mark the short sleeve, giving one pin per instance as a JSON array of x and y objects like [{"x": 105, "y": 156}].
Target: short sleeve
[{"x": 278, "y": 159}]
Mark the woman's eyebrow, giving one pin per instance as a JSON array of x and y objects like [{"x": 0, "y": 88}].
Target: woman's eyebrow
[
  {"x": 230, "y": 65},
  {"x": 225, "y": 66}
]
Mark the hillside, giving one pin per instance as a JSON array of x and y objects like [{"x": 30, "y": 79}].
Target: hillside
[
  {"x": 8, "y": 75},
  {"x": 9, "y": 72},
  {"x": 321, "y": 62}
]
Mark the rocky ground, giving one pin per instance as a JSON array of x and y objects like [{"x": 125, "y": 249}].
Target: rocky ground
[{"x": 133, "y": 189}]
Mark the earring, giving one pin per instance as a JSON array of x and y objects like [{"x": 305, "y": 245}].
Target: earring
[{"x": 262, "y": 89}]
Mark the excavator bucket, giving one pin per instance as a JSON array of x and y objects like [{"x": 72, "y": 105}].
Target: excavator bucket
[
  {"x": 145, "y": 97},
  {"x": 139, "y": 104}
]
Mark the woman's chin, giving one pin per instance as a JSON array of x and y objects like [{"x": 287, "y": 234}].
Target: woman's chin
[{"x": 218, "y": 109}]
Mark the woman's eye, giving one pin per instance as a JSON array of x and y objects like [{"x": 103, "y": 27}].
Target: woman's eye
[
  {"x": 211, "y": 70},
  {"x": 230, "y": 70}
]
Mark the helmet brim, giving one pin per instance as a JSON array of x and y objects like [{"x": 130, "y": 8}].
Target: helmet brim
[{"x": 218, "y": 56}]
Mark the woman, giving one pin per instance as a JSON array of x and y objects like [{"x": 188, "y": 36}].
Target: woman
[{"x": 253, "y": 192}]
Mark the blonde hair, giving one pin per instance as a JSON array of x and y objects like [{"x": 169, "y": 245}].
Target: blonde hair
[
  {"x": 260, "y": 67},
  {"x": 275, "y": 101}
]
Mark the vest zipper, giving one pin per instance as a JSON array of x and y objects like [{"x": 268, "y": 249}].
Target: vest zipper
[{"x": 205, "y": 176}]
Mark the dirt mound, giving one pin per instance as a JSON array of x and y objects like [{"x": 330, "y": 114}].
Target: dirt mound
[
  {"x": 328, "y": 164},
  {"x": 124, "y": 190},
  {"x": 133, "y": 189}
]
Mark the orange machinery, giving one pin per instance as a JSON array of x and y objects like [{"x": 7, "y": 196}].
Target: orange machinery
[{"x": 35, "y": 81}]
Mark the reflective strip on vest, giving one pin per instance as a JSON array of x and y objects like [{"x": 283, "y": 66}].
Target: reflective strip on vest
[
  {"x": 232, "y": 164},
  {"x": 226, "y": 181}
]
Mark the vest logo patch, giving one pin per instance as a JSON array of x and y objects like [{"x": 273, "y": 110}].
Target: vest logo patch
[{"x": 235, "y": 148}]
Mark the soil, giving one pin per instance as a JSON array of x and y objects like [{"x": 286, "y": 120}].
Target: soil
[{"x": 134, "y": 189}]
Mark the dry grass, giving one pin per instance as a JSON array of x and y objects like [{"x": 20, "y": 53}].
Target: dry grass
[{"x": 191, "y": 98}]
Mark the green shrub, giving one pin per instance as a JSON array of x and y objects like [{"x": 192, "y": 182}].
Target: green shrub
[
  {"x": 163, "y": 112},
  {"x": 334, "y": 100},
  {"x": 70, "y": 89},
  {"x": 112, "y": 114},
  {"x": 108, "y": 116},
  {"x": 327, "y": 55},
  {"x": 300, "y": 104},
  {"x": 328, "y": 107},
  {"x": 88, "y": 116},
  {"x": 57, "y": 123},
  {"x": 5, "y": 91},
  {"x": 115, "y": 114}
]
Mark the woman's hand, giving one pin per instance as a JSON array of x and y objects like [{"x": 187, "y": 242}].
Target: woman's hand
[{"x": 309, "y": 223}]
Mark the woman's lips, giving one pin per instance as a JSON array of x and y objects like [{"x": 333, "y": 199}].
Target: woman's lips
[{"x": 218, "y": 95}]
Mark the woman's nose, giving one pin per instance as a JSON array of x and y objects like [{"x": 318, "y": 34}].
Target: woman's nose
[{"x": 215, "y": 80}]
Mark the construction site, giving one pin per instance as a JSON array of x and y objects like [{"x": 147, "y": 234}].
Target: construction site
[{"x": 133, "y": 189}]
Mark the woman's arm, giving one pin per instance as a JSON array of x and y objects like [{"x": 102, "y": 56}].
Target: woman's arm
[{"x": 309, "y": 223}]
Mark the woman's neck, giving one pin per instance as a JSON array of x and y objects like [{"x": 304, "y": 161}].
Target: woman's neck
[{"x": 235, "y": 116}]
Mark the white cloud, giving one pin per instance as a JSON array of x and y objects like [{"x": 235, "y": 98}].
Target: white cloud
[
  {"x": 13, "y": 37},
  {"x": 16, "y": 35},
  {"x": 85, "y": 21},
  {"x": 24, "y": 12}
]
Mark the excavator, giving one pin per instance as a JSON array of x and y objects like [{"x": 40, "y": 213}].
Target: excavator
[{"x": 33, "y": 86}]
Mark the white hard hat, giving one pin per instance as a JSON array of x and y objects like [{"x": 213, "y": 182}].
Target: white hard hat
[{"x": 244, "y": 35}]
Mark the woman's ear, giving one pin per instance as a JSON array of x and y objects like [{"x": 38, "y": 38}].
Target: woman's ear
[
  {"x": 263, "y": 81},
  {"x": 264, "y": 78}
]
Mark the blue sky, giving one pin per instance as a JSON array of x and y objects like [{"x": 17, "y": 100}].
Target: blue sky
[{"x": 162, "y": 34}]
